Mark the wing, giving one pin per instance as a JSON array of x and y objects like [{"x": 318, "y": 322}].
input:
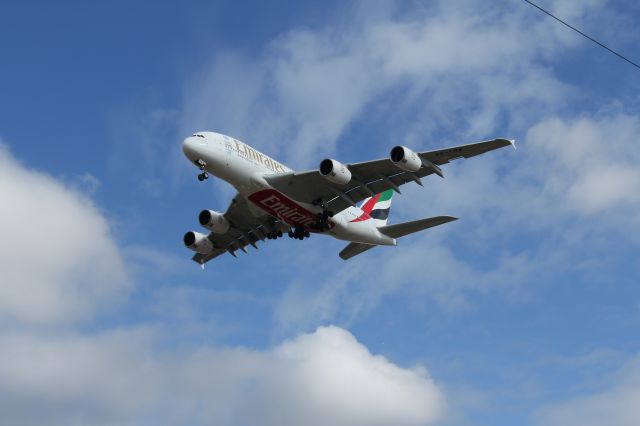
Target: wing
[
  {"x": 372, "y": 177},
  {"x": 246, "y": 229}
]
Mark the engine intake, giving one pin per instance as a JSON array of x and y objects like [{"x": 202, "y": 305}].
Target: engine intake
[
  {"x": 405, "y": 159},
  {"x": 214, "y": 221},
  {"x": 197, "y": 242},
  {"x": 334, "y": 171}
]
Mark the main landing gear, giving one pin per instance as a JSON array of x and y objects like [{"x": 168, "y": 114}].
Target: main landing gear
[
  {"x": 274, "y": 235},
  {"x": 299, "y": 233},
  {"x": 203, "y": 176},
  {"x": 322, "y": 219}
]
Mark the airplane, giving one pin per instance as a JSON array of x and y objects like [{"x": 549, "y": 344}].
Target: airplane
[{"x": 273, "y": 199}]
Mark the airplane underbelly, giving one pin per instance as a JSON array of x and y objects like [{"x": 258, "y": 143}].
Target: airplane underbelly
[{"x": 285, "y": 209}]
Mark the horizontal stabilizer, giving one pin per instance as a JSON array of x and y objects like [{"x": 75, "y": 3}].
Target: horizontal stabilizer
[
  {"x": 401, "y": 229},
  {"x": 396, "y": 231},
  {"x": 354, "y": 249}
]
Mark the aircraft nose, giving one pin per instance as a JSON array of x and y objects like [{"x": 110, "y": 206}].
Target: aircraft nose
[{"x": 189, "y": 148}]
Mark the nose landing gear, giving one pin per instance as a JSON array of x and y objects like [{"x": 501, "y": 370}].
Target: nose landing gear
[{"x": 201, "y": 165}]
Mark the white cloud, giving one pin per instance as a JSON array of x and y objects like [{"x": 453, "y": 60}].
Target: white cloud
[
  {"x": 591, "y": 161},
  {"x": 616, "y": 405},
  {"x": 322, "y": 378},
  {"x": 58, "y": 259}
]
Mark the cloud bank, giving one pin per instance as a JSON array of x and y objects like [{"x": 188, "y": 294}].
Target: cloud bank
[
  {"x": 122, "y": 376},
  {"x": 58, "y": 259}
]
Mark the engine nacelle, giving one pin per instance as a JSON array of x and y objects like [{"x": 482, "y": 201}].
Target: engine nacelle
[
  {"x": 214, "y": 221},
  {"x": 405, "y": 159},
  {"x": 198, "y": 242},
  {"x": 334, "y": 171}
]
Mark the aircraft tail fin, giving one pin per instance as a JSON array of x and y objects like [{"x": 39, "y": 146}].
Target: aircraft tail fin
[
  {"x": 378, "y": 206},
  {"x": 401, "y": 229}
]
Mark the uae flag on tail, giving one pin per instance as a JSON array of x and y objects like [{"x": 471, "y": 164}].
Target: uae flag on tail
[{"x": 378, "y": 207}]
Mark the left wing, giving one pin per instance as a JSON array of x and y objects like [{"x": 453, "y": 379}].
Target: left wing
[
  {"x": 372, "y": 177},
  {"x": 246, "y": 229}
]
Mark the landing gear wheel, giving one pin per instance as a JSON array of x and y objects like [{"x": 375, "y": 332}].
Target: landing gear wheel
[
  {"x": 274, "y": 235},
  {"x": 299, "y": 233},
  {"x": 202, "y": 176}
]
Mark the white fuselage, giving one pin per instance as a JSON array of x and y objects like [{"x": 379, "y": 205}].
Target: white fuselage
[{"x": 245, "y": 167}]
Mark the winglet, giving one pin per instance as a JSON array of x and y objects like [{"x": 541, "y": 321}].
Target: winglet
[{"x": 513, "y": 143}]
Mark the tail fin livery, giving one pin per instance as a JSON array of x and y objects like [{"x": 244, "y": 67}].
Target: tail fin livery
[{"x": 377, "y": 207}]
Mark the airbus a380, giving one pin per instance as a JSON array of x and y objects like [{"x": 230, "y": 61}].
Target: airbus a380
[{"x": 273, "y": 200}]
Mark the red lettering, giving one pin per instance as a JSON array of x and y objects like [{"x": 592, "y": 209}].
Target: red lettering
[
  {"x": 269, "y": 199},
  {"x": 283, "y": 208}
]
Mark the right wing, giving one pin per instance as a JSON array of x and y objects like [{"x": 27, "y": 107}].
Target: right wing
[
  {"x": 371, "y": 177},
  {"x": 246, "y": 229}
]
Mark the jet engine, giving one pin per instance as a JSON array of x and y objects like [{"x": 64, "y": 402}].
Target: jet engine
[
  {"x": 214, "y": 221},
  {"x": 334, "y": 171},
  {"x": 198, "y": 242},
  {"x": 405, "y": 159}
]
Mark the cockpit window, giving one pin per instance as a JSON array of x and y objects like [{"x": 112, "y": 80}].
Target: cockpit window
[{"x": 198, "y": 135}]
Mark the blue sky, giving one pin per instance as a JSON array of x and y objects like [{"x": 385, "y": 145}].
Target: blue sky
[{"x": 524, "y": 311}]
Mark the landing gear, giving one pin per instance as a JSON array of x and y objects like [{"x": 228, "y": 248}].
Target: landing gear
[
  {"x": 322, "y": 219},
  {"x": 274, "y": 235},
  {"x": 201, "y": 165},
  {"x": 299, "y": 233}
]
